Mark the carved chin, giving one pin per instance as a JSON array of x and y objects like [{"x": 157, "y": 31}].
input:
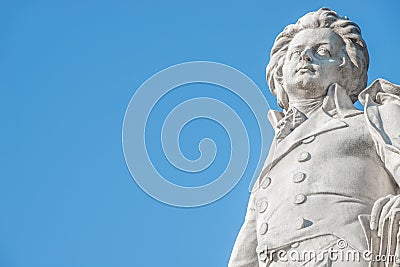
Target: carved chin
[
  {"x": 307, "y": 84},
  {"x": 309, "y": 88}
]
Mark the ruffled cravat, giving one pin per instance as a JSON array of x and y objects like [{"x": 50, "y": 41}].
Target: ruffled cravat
[
  {"x": 336, "y": 103},
  {"x": 293, "y": 118},
  {"x": 296, "y": 115}
]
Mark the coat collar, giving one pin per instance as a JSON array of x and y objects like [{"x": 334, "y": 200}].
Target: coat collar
[
  {"x": 337, "y": 106},
  {"x": 378, "y": 89},
  {"x": 320, "y": 122}
]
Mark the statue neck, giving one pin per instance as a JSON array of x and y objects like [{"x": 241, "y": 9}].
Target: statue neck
[{"x": 307, "y": 106}]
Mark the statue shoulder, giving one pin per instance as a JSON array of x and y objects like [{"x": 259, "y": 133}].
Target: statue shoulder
[
  {"x": 382, "y": 109},
  {"x": 382, "y": 101},
  {"x": 381, "y": 92}
]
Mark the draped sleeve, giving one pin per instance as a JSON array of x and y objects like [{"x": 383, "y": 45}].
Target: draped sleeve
[
  {"x": 381, "y": 101},
  {"x": 244, "y": 251}
]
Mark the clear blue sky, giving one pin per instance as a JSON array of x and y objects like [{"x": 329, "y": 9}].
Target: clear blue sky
[{"x": 67, "y": 72}]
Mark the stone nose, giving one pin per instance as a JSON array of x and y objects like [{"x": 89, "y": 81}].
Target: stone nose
[{"x": 306, "y": 56}]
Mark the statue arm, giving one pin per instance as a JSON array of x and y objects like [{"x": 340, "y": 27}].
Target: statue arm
[
  {"x": 382, "y": 111},
  {"x": 244, "y": 251}
]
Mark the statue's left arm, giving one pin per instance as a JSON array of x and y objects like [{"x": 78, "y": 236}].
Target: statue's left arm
[
  {"x": 382, "y": 112},
  {"x": 244, "y": 250}
]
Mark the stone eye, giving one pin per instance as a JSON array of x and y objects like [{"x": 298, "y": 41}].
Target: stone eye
[
  {"x": 323, "y": 52},
  {"x": 295, "y": 53}
]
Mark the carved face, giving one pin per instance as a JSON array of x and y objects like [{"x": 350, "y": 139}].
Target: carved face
[{"x": 312, "y": 63}]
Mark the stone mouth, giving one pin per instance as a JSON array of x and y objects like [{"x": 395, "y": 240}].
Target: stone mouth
[{"x": 307, "y": 68}]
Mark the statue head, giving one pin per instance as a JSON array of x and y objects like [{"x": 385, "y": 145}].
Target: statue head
[{"x": 320, "y": 49}]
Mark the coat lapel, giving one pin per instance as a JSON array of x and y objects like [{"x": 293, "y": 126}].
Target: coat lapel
[
  {"x": 317, "y": 124},
  {"x": 336, "y": 102}
]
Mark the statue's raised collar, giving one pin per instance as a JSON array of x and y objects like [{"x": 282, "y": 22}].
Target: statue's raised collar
[{"x": 336, "y": 104}]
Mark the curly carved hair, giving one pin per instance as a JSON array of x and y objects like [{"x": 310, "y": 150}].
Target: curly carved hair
[{"x": 356, "y": 52}]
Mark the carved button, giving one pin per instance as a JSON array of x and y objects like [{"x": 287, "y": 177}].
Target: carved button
[
  {"x": 304, "y": 157},
  {"x": 266, "y": 182},
  {"x": 300, "y": 198},
  {"x": 308, "y": 139},
  {"x": 263, "y": 229},
  {"x": 262, "y": 206},
  {"x": 300, "y": 223},
  {"x": 299, "y": 177}
]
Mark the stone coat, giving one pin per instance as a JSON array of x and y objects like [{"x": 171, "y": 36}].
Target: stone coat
[{"x": 324, "y": 174}]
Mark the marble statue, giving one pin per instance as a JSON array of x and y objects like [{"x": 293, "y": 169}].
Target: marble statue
[{"x": 333, "y": 171}]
